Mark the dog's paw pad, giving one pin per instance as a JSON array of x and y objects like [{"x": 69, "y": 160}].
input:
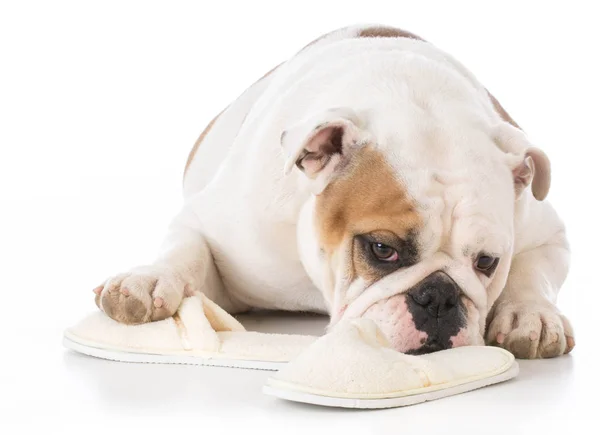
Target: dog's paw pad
[{"x": 142, "y": 295}]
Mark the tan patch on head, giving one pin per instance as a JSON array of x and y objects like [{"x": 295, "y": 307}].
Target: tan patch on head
[
  {"x": 387, "y": 32},
  {"x": 367, "y": 197}
]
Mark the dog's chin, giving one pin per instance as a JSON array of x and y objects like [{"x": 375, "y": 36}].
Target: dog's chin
[{"x": 395, "y": 320}]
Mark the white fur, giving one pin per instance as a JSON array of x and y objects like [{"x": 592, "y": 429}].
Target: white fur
[{"x": 246, "y": 238}]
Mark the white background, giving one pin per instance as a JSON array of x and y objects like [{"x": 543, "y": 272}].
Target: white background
[{"x": 100, "y": 103}]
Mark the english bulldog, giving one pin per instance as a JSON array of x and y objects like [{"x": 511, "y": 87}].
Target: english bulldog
[{"x": 369, "y": 175}]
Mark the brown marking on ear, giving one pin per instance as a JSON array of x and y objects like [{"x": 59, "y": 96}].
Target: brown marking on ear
[
  {"x": 387, "y": 32},
  {"x": 367, "y": 197}
]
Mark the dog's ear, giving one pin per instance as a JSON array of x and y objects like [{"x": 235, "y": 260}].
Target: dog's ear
[
  {"x": 529, "y": 165},
  {"x": 533, "y": 168},
  {"x": 321, "y": 145}
]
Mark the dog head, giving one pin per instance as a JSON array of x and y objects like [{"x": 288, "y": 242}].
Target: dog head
[{"x": 411, "y": 226}]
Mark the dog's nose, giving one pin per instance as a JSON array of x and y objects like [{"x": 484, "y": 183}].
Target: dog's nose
[{"x": 438, "y": 294}]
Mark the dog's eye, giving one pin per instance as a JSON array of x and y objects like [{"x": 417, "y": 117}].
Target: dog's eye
[
  {"x": 383, "y": 252},
  {"x": 486, "y": 264}
]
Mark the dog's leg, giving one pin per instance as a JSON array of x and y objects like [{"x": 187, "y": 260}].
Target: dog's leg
[
  {"x": 525, "y": 319},
  {"x": 154, "y": 292}
]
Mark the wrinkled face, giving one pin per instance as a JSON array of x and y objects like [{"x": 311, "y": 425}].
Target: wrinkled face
[
  {"x": 411, "y": 176},
  {"x": 422, "y": 251}
]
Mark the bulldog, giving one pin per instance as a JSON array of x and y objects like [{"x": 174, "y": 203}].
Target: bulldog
[{"x": 369, "y": 175}]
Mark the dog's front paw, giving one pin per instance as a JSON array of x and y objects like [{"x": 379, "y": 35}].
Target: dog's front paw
[
  {"x": 530, "y": 330},
  {"x": 142, "y": 295}
]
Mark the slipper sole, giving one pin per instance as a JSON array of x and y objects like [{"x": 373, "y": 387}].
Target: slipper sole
[
  {"x": 391, "y": 402},
  {"x": 155, "y": 358}
]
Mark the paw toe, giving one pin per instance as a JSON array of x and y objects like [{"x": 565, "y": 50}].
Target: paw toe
[
  {"x": 500, "y": 327},
  {"x": 553, "y": 342},
  {"x": 97, "y": 300},
  {"x": 522, "y": 346},
  {"x": 551, "y": 350},
  {"x": 161, "y": 311}
]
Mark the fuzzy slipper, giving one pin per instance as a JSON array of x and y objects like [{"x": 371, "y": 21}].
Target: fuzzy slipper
[
  {"x": 352, "y": 366},
  {"x": 355, "y": 367},
  {"x": 200, "y": 333}
]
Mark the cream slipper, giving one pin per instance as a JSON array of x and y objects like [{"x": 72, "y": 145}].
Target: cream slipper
[
  {"x": 354, "y": 367},
  {"x": 199, "y": 333}
]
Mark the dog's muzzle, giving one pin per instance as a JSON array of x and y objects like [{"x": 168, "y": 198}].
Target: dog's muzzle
[
  {"x": 437, "y": 310},
  {"x": 431, "y": 306}
]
